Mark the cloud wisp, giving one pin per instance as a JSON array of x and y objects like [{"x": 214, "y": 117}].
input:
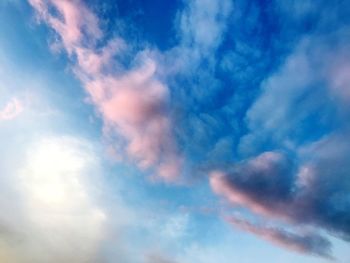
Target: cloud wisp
[
  {"x": 308, "y": 243},
  {"x": 11, "y": 110}
]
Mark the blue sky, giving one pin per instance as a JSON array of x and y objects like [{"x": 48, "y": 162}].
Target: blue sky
[{"x": 174, "y": 131}]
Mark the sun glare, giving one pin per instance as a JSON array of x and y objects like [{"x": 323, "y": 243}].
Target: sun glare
[{"x": 53, "y": 173}]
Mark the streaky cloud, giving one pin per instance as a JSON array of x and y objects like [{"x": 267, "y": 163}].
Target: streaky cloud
[{"x": 309, "y": 243}]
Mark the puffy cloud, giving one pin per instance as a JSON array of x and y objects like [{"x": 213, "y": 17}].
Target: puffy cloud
[
  {"x": 132, "y": 103},
  {"x": 11, "y": 110},
  {"x": 263, "y": 184},
  {"x": 134, "y": 106}
]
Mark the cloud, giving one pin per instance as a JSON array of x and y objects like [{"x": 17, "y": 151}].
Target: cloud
[
  {"x": 295, "y": 155},
  {"x": 201, "y": 27},
  {"x": 132, "y": 102},
  {"x": 134, "y": 105},
  {"x": 203, "y": 24},
  {"x": 310, "y": 243},
  {"x": 75, "y": 18},
  {"x": 312, "y": 193},
  {"x": 11, "y": 110},
  {"x": 54, "y": 216},
  {"x": 274, "y": 126},
  {"x": 61, "y": 205},
  {"x": 263, "y": 184}
]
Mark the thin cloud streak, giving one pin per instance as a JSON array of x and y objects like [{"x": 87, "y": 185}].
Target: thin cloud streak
[{"x": 309, "y": 243}]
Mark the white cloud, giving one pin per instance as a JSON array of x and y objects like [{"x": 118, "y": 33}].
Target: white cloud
[
  {"x": 204, "y": 22},
  {"x": 55, "y": 217}
]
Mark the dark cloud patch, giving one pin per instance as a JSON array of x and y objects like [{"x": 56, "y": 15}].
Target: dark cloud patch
[
  {"x": 263, "y": 184},
  {"x": 314, "y": 192},
  {"x": 267, "y": 177},
  {"x": 324, "y": 185}
]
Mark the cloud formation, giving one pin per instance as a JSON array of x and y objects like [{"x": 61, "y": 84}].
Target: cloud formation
[
  {"x": 202, "y": 25},
  {"x": 132, "y": 102},
  {"x": 292, "y": 161},
  {"x": 315, "y": 193},
  {"x": 262, "y": 184},
  {"x": 259, "y": 93}
]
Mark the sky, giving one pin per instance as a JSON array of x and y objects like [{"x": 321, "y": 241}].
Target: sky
[{"x": 196, "y": 131}]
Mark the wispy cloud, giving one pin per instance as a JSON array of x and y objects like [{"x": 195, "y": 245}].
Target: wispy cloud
[
  {"x": 310, "y": 243},
  {"x": 203, "y": 25},
  {"x": 132, "y": 102},
  {"x": 75, "y": 19},
  {"x": 12, "y": 109}
]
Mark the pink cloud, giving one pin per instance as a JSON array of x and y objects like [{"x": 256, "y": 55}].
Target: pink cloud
[
  {"x": 221, "y": 186},
  {"x": 134, "y": 106},
  {"x": 93, "y": 61},
  {"x": 256, "y": 184},
  {"x": 273, "y": 187},
  {"x": 73, "y": 20},
  {"x": 310, "y": 243},
  {"x": 11, "y": 110},
  {"x": 132, "y": 103}
]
